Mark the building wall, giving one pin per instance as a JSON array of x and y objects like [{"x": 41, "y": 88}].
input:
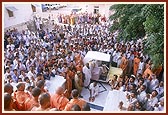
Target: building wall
[
  {"x": 21, "y": 16},
  {"x": 103, "y": 9}
]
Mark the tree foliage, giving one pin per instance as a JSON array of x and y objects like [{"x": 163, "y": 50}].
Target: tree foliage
[
  {"x": 130, "y": 20},
  {"x": 154, "y": 27},
  {"x": 136, "y": 21}
]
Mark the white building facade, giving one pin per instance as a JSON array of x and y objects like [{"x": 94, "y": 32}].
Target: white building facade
[
  {"x": 102, "y": 9},
  {"x": 17, "y": 15}
]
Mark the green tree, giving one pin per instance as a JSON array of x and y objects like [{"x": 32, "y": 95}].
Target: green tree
[
  {"x": 154, "y": 28},
  {"x": 128, "y": 19},
  {"x": 134, "y": 21}
]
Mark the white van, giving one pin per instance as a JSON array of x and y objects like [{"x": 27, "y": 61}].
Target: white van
[{"x": 102, "y": 61}]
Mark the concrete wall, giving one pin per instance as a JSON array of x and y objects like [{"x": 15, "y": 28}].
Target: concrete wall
[{"x": 103, "y": 8}]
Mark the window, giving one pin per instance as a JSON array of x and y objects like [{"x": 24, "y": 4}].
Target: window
[
  {"x": 33, "y": 8},
  {"x": 96, "y": 9},
  {"x": 10, "y": 11}
]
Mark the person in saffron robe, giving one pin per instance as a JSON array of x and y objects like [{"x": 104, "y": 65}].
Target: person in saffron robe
[
  {"x": 40, "y": 84},
  {"x": 75, "y": 100},
  {"x": 71, "y": 73},
  {"x": 44, "y": 100},
  {"x": 124, "y": 64},
  {"x": 148, "y": 71},
  {"x": 8, "y": 102},
  {"x": 75, "y": 108},
  {"x": 58, "y": 100},
  {"x": 20, "y": 96},
  {"x": 136, "y": 64},
  {"x": 68, "y": 84},
  {"x": 33, "y": 101},
  {"x": 8, "y": 88},
  {"x": 79, "y": 67},
  {"x": 86, "y": 107},
  {"x": 78, "y": 58}
]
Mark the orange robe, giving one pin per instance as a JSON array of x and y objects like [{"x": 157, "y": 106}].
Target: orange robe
[
  {"x": 15, "y": 104},
  {"x": 58, "y": 101},
  {"x": 147, "y": 71},
  {"x": 79, "y": 67},
  {"x": 124, "y": 64},
  {"x": 78, "y": 59},
  {"x": 68, "y": 86},
  {"x": 79, "y": 102},
  {"x": 30, "y": 103},
  {"x": 71, "y": 74},
  {"x": 157, "y": 70},
  {"x": 21, "y": 97},
  {"x": 147, "y": 66},
  {"x": 136, "y": 65}
]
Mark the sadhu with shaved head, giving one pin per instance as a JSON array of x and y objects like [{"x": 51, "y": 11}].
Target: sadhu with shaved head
[
  {"x": 33, "y": 101},
  {"x": 21, "y": 96},
  {"x": 44, "y": 101},
  {"x": 58, "y": 100},
  {"x": 8, "y": 88},
  {"x": 75, "y": 100},
  {"x": 8, "y": 102}
]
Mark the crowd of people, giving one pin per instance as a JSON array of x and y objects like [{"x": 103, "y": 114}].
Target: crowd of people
[
  {"x": 73, "y": 18},
  {"x": 33, "y": 58}
]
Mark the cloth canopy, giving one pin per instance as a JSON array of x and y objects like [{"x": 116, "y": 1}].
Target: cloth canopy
[
  {"x": 95, "y": 55},
  {"x": 112, "y": 100}
]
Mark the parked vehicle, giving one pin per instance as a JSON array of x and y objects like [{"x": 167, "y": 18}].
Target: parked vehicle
[
  {"x": 104, "y": 71},
  {"x": 52, "y": 6},
  {"x": 55, "y": 6}
]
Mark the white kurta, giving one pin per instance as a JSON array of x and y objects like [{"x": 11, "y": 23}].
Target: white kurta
[
  {"x": 94, "y": 90},
  {"x": 87, "y": 73},
  {"x": 141, "y": 68},
  {"x": 151, "y": 103}
]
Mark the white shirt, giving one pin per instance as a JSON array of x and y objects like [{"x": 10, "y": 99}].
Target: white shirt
[
  {"x": 141, "y": 96},
  {"x": 30, "y": 74},
  {"x": 22, "y": 76},
  {"x": 141, "y": 67},
  {"x": 94, "y": 90},
  {"x": 116, "y": 55},
  {"x": 153, "y": 84},
  {"x": 160, "y": 90},
  {"x": 161, "y": 108},
  {"x": 151, "y": 102},
  {"x": 133, "y": 100},
  {"x": 12, "y": 46}
]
